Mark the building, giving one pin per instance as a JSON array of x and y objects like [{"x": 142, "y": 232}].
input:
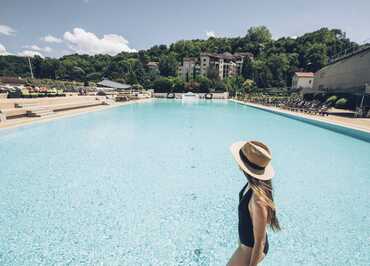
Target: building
[
  {"x": 189, "y": 69},
  {"x": 303, "y": 80},
  {"x": 347, "y": 76},
  {"x": 153, "y": 65},
  {"x": 226, "y": 65}
]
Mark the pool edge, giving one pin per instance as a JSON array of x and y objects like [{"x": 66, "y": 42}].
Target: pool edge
[{"x": 353, "y": 132}]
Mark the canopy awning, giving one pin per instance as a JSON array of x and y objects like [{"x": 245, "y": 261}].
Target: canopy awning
[{"x": 115, "y": 85}]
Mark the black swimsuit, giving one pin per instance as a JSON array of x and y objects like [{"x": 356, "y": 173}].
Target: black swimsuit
[{"x": 245, "y": 222}]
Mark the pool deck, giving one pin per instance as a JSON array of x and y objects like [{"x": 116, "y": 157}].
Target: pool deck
[
  {"x": 18, "y": 122},
  {"x": 362, "y": 124}
]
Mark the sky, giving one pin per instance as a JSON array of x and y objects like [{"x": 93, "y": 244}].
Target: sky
[{"x": 53, "y": 28}]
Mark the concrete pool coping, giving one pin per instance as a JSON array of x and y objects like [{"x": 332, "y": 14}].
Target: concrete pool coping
[
  {"x": 21, "y": 122},
  {"x": 355, "y": 131}
]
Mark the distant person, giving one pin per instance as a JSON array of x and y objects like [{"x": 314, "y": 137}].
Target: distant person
[{"x": 256, "y": 204}]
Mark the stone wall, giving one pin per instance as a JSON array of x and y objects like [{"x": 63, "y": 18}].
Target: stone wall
[{"x": 350, "y": 74}]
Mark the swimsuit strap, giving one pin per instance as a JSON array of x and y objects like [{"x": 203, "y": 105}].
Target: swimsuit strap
[{"x": 242, "y": 192}]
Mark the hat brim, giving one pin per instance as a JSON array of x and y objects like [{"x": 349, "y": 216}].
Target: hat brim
[{"x": 265, "y": 174}]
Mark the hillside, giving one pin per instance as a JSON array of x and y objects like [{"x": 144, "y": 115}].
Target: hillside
[{"x": 275, "y": 60}]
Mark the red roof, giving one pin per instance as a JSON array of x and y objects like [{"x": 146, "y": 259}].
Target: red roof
[{"x": 305, "y": 74}]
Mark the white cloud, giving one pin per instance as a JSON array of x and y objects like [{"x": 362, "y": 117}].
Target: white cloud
[
  {"x": 30, "y": 53},
  {"x": 210, "y": 34},
  {"x": 3, "y": 50},
  {"x": 51, "y": 39},
  {"x": 46, "y": 49},
  {"x": 6, "y": 30},
  {"x": 83, "y": 42},
  {"x": 86, "y": 1}
]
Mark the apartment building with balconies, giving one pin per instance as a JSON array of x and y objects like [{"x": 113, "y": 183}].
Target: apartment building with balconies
[
  {"x": 226, "y": 65},
  {"x": 189, "y": 69}
]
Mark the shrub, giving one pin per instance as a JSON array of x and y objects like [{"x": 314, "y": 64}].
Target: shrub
[
  {"x": 137, "y": 87},
  {"x": 332, "y": 99},
  {"x": 192, "y": 86},
  {"x": 162, "y": 85},
  {"x": 219, "y": 86},
  {"x": 178, "y": 85},
  {"x": 341, "y": 103},
  {"x": 204, "y": 84}
]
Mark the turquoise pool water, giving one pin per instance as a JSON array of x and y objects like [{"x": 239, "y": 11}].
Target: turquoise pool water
[{"x": 154, "y": 184}]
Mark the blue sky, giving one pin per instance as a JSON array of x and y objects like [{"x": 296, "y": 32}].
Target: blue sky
[{"x": 109, "y": 26}]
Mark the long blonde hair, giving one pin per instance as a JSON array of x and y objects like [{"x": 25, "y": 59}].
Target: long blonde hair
[{"x": 263, "y": 189}]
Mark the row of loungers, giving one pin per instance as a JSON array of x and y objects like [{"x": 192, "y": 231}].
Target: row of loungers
[
  {"x": 314, "y": 107},
  {"x": 296, "y": 105},
  {"x": 12, "y": 113}
]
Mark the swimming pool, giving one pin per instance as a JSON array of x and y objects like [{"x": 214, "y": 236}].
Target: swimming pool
[{"x": 155, "y": 184}]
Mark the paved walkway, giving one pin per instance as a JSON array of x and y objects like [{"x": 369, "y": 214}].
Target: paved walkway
[
  {"x": 12, "y": 123},
  {"x": 362, "y": 124}
]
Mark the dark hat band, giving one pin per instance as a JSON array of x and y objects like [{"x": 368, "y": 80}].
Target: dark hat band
[{"x": 246, "y": 161}]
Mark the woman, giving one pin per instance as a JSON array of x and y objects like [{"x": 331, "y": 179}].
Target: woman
[{"x": 256, "y": 204}]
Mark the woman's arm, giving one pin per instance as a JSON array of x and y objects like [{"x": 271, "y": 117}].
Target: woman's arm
[{"x": 259, "y": 220}]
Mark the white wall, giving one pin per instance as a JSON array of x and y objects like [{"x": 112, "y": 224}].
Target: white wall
[
  {"x": 217, "y": 95},
  {"x": 302, "y": 82}
]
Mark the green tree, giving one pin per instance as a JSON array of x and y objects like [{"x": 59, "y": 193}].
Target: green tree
[
  {"x": 235, "y": 85},
  {"x": 279, "y": 66},
  {"x": 259, "y": 34},
  {"x": 212, "y": 73},
  {"x": 219, "y": 86},
  {"x": 249, "y": 86},
  {"x": 168, "y": 65},
  {"x": 77, "y": 73},
  {"x": 204, "y": 84},
  {"x": 178, "y": 85},
  {"x": 247, "y": 68},
  {"x": 316, "y": 57},
  {"x": 162, "y": 85}
]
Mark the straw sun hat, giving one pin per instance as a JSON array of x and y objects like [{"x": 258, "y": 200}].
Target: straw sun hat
[{"x": 254, "y": 158}]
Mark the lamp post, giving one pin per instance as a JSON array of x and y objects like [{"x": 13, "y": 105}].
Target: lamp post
[{"x": 29, "y": 63}]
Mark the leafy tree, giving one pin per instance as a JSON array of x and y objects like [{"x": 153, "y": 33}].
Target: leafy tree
[
  {"x": 204, "y": 84},
  {"x": 247, "y": 68},
  {"x": 95, "y": 76},
  {"x": 279, "y": 66},
  {"x": 192, "y": 86},
  {"x": 168, "y": 65},
  {"x": 212, "y": 73},
  {"x": 235, "y": 85},
  {"x": 178, "y": 85},
  {"x": 316, "y": 57},
  {"x": 219, "y": 86},
  {"x": 77, "y": 73},
  {"x": 249, "y": 85},
  {"x": 262, "y": 74},
  {"x": 131, "y": 78},
  {"x": 162, "y": 85},
  {"x": 259, "y": 34}
]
